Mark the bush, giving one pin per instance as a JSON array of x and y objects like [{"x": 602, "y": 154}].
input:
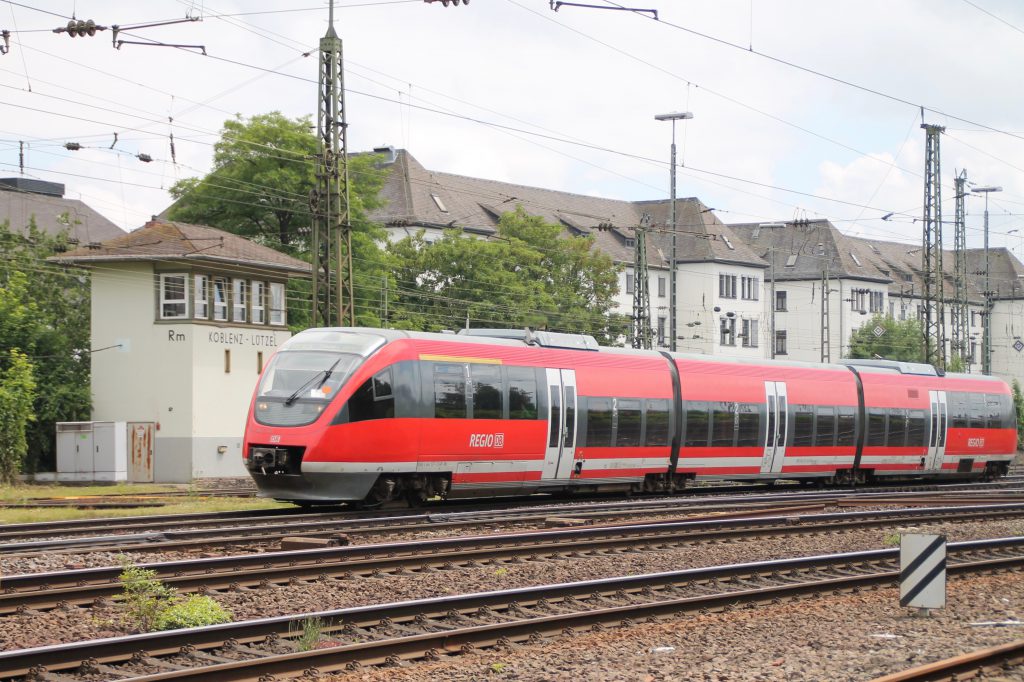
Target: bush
[
  {"x": 193, "y": 611},
  {"x": 145, "y": 597}
]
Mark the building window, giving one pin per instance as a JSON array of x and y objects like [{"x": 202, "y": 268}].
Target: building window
[
  {"x": 750, "y": 287},
  {"x": 749, "y": 333},
  {"x": 258, "y": 302},
  {"x": 727, "y": 331},
  {"x": 974, "y": 318},
  {"x": 661, "y": 287},
  {"x": 277, "y": 309},
  {"x": 903, "y": 310},
  {"x": 661, "y": 331},
  {"x": 201, "y": 297},
  {"x": 780, "y": 342},
  {"x": 173, "y": 297},
  {"x": 877, "y": 301},
  {"x": 220, "y": 299},
  {"x": 974, "y": 352},
  {"x": 238, "y": 306},
  {"x": 780, "y": 301},
  {"x": 727, "y": 286},
  {"x": 629, "y": 283},
  {"x": 892, "y": 309}
]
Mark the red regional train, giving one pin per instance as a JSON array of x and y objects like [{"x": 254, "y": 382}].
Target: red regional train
[{"x": 372, "y": 415}]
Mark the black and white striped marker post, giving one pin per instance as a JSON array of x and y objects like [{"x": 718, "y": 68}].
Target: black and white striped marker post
[{"x": 923, "y": 571}]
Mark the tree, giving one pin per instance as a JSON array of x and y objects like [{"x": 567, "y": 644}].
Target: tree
[
  {"x": 264, "y": 170},
  {"x": 529, "y": 275},
  {"x": 1018, "y": 411},
  {"x": 44, "y": 316},
  {"x": 17, "y": 389},
  {"x": 899, "y": 340}
]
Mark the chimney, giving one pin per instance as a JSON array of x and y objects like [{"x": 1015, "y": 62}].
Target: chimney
[{"x": 389, "y": 152}]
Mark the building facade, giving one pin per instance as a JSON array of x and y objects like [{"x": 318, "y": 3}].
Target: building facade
[
  {"x": 793, "y": 289},
  {"x": 183, "y": 319}
]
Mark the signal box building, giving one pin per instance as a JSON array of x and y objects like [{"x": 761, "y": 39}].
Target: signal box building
[{"x": 183, "y": 319}]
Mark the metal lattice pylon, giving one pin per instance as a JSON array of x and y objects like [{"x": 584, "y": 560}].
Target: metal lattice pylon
[
  {"x": 641, "y": 288},
  {"x": 331, "y": 244},
  {"x": 960, "y": 313},
  {"x": 934, "y": 326}
]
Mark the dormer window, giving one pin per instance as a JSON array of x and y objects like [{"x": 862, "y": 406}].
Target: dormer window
[
  {"x": 630, "y": 243},
  {"x": 173, "y": 296}
]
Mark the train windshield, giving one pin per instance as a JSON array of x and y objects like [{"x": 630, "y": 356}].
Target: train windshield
[{"x": 298, "y": 384}]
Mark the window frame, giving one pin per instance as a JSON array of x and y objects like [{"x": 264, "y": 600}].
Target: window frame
[
  {"x": 239, "y": 300},
  {"x": 200, "y": 302},
  {"x": 258, "y": 301},
  {"x": 281, "y": 314},
  {"x": 222, "y": 310},
  {"x": 165, "y": 301}
]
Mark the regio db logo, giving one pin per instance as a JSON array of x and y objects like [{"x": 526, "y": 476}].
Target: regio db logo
[{"x": 487, "y": 440}]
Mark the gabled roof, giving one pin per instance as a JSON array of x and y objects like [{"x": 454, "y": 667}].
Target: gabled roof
[
  {"x": 21, "y": 201},
  {"x": 417, "y": 197},
  {"x": 797, "y": 247},
  {"x": 160, "y": 240}
]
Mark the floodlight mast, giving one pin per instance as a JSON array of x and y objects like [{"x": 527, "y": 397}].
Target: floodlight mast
[
  {"x": 986, "y": 356},
  {"x": 673, "y": 116}
]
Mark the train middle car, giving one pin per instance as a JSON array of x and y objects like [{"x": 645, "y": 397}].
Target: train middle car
[{"x": 370, "y": 415}]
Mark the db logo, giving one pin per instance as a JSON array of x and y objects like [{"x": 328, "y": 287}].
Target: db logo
[
  {"x": 975, "y": 442},
  {"x": 275, "y": 439},
  {"x": 487, "y": 440}
]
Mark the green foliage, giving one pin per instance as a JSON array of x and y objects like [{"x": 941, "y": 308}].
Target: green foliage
[
  {"x": 193, "y": 611},
  {"x": 902, "y": 340},
  {"x": 530, "y": 275},
  {"x": 1018, "y": 410},
  {"x": 44, "y": 313},
  {"x": 264, "y": 170},
  {"x": 311, "y": 632},
  {"x": 150, "y": 605},
  {"x": 891, "y": 540},
  {"x": 145, "y": 597},
  {"x": 17, "y": 389}
]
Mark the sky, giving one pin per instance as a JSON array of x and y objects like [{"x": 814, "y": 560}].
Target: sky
[{"x": 801, "y": 108}]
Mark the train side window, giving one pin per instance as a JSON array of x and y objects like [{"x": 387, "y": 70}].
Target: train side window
[
  {"x": 657, "y": 423},
  {"x": 373, "y": 400},
  {"x": 723, "y": 426},
  {"x": 628, "y": 418},
  {"x": 487, "y": 391},
  {"x": 697, "y": 424},
  {"x": 876, "y": 427},
  {"x": 845, "y": 426},
  {"x": 959, "y": 417},
  {"x": 1008, "y": 412},
  {"x": 599, "y": 422},
  {"x": 992, "y": 410},
  {"x": 916, "y": 431},
  {"x": 897, "y": 428},
  {"x": 803, "y": 426},
  {"x": 748, "y": 425},
  {"x": 522, "y": 393},
  {"x": 450, "y": 391},
  {"x": 825, "y": 432},
  {"x": 976, "y": 408}
]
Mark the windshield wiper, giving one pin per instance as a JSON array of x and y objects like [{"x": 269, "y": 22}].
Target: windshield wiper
[{"x": 327, "y": 375}]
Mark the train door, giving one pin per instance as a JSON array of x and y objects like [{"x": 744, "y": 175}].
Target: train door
[
  {"x": 937, "y": 427},
  {"x": 562, "y": 417},
  {"x": 778, "y": 422}
]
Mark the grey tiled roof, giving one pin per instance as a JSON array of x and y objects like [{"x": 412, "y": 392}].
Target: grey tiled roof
[
  {"x": 164, "y": 240},
  {"x": 475, "y": 205},
  {"x": 893, "y": 263},
  {"x": 82, "y": 223}
]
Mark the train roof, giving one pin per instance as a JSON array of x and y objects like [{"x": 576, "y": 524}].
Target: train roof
[{"x": 518, "y": 338}]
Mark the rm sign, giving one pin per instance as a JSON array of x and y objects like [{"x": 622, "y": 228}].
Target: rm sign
[{"x": 923, "y": 571}]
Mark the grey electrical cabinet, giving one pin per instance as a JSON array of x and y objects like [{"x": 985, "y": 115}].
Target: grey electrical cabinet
[{"x": 101, "y": 451}]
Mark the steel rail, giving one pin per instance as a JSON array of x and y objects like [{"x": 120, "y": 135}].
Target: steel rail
[
  {"x": 48, "y": 590},
  {"x": 556, "y": 608},
  {"x": 973, "y": 664}
]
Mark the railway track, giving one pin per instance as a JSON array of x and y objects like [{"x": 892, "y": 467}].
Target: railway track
[
  {"x": 44, "y": 591},
  {"x": 432, "y": 628},
  {"x": 981, "y": 664},
  {"x": 196, "y": 531}
]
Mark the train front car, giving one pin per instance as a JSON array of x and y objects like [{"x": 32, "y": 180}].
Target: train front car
[{"x": 286, "y": 448}]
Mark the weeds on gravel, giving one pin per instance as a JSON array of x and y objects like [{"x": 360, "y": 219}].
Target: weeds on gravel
[
  {"x": 501, "y": 572},
  {"x": 891, "y": 540},
  {"x": 150, "y": 605},
  {"x": 312, "y": 630}
]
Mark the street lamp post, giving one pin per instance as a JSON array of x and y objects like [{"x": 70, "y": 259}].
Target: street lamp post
[
  {"x": 674, "y": 116},
  {"x": 986, "y": 339}
]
